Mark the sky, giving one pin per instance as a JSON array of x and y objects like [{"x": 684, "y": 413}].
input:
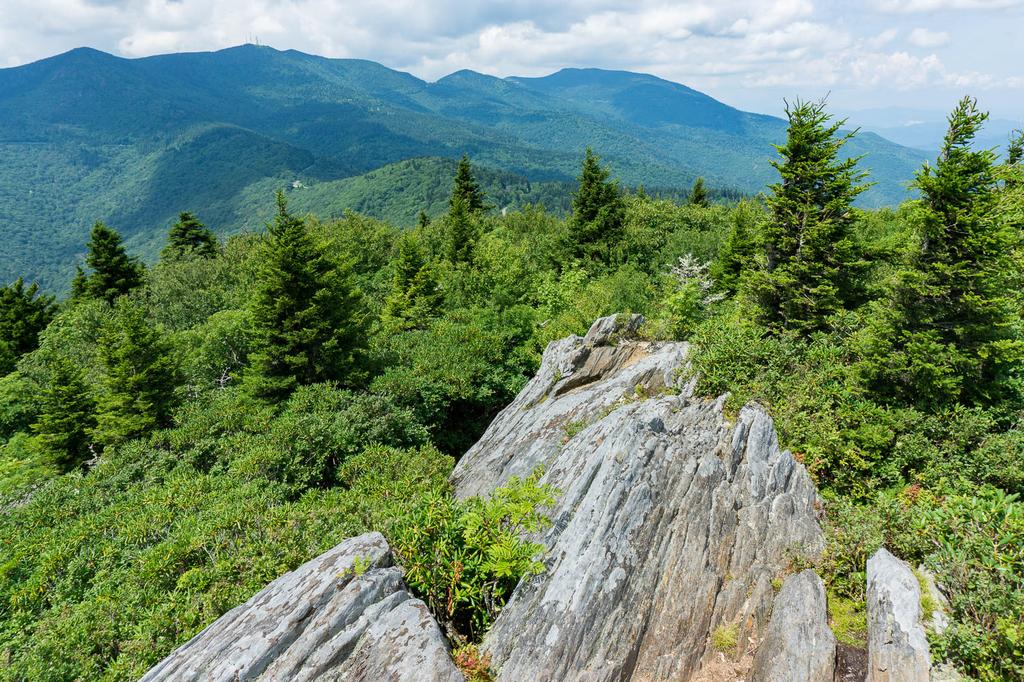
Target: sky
[{"x": 867, "y": 54}]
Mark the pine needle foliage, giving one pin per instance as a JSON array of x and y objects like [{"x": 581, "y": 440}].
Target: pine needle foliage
[
  {"x": 307, "y": 314},
  {"x": 812, "y": 265}
]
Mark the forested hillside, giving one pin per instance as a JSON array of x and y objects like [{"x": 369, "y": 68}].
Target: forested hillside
[
  {"x": 175, "y": 436},
  {"x": 86, "y": 136}
]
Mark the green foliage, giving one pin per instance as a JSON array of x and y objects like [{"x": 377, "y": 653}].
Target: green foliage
[
  {"x": 112, "y": 273},
  {"x": 139, "y": 380},
  {"x": 811, "y": 261},
  {"x": 460, "y": 232},
  {"x": 466, "y": 189},
  {"x": 306, "y": 314},
  {"x": 725, "y": 638},
  {"x": 188, "y": 237},
  {"x": 459, "y": 372},
  {"x": 65, "y": 416},
  {"x": 105, "y": 574},
  {"x": 949, "y": 332},
  {"x": 464, "y": 557},
  {"x": 320, "y": 428},
  {"x": 699, "y": 193},
  {"x": 24, "y": 314},
  {"x": 414, "y": 299},
  {"x": 597, "y": 212}
]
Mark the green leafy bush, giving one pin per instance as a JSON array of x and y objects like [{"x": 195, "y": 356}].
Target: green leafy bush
[{"x": 464, "y": 557}]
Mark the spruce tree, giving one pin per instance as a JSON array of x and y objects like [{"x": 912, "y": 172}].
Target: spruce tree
[
  {"x": 139, "y": 377},
  {"x": 189, "y": 237},
  {"x": 598, "y": 211},
  {"x": 306, "y": 312},
  {"x": 65, "y": 417},
  {"x": 699, "y": 194},
  {"x": 113, "y": 271},
  {"x": 24, "y": 314},
  {"x": 739, "y": 250},
  {"x": 422, "y": 220},
  {"x": 467, "y": 189},
  {"x": 950, "y": 330},
  {"x": 813, "y": 267},
  {"x": 460, "y": 232},
  {"x": 414, "y": 299}
]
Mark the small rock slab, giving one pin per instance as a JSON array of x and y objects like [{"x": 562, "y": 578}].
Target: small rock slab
[
  {"x": 798, "y": 645},
  {"x": 897, "y": 644},
  {"x": 344, "y": 615}
]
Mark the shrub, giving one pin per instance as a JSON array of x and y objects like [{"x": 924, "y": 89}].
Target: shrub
[{"x": 464, "y": 557}]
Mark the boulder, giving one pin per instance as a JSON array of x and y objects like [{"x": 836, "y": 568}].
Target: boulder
[
  {"x": 344, "y": 615},
  {"x": 897, "y": 644},
  {"x": 798, "y": 645},
  {"x": 671, "y": 522}
]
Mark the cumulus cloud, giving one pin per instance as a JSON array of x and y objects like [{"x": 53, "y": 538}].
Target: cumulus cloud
[
  {"x": 910, "y": 6},
  {"x": 741, "y": 43}
]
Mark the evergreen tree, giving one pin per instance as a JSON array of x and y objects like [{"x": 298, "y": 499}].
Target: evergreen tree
[
  {"x": 65, "y": 416},
  {"x": 467, "y": 189},
  {"x": 460, "y": 232},
  {"x": 598, "y": 211},
  {"x": 114, "y": 272},
  {"x": 949, "y": 332},
  {"x": 1014, "y": 159},
  {"x": 189, "y": 237},
  {"x": 414, "y": 297},
  {"x": 139, "y": 380},
  {"x": 422, "y": 220},
  {"x": 813, "y": 267},
  {"x": 24, "y": 314},
  {"x": 699, "y": 194},
  {"x": 306, "y": 312},
  {"x": 739, "y": 250}
]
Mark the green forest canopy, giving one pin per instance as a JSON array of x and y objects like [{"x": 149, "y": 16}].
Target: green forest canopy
[{"x": 177, "y": 436}]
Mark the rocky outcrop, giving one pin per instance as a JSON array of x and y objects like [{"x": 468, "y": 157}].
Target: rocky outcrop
[
  {"x": 897, "y": 644},
  {"x": 345, "y": 615},
  {"x": 798, "y": 645},
  {"x": 671, "y": 523}
]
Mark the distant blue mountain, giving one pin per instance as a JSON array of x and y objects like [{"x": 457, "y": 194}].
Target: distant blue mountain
[{"x": 89, "y": 136}]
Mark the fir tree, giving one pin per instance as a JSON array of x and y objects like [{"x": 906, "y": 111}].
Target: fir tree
[
  {"x": 139, "y": 378},
  {"x": 699, "y": 194},
  {"x": 65, "y": 416},
  {"x": 813, "y": 267},
  {"x": 460, "y": 232},
  {"x": 949, "y": 331},
  {"x": 738, "y": 252},
  {"x": 414, "y": 297},
  {"x": 114, "y": 272},
  {"x": 24, "y": 314},
  {"x": 306, "y": 312},
  {"x": 189, "y": 237},
  {"x": 467, "y": 189},
  {"x": 422, "y": 220},
  {"x": 598, "y": 211}
]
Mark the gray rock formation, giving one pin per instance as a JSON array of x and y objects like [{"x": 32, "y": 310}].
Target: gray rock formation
[
  {"x": 897, "y": 644},
  {"x": 671, "y": 522},
  {"x": 798, "y": 645},
  {"x": 345, "y": 615}
]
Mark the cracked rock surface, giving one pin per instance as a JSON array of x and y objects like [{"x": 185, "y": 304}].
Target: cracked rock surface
[
  {"x": 345, "y": 615},
  {"x": 672, "y": 520}
]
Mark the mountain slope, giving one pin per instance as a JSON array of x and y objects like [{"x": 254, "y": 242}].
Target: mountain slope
[{"x": 87, "y": 136}]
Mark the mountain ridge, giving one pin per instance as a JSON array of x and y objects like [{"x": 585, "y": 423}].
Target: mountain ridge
[{"x": 91, "y": 136}]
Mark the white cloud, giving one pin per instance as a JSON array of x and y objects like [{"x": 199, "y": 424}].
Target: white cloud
[
  {"x": 741, "y": 44},
  {"x": 922, "y": 37},
  {"x": 911, "y": 6}
]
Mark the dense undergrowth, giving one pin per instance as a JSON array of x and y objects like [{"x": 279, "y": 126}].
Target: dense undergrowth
[{"x": 183, "y": 434}]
